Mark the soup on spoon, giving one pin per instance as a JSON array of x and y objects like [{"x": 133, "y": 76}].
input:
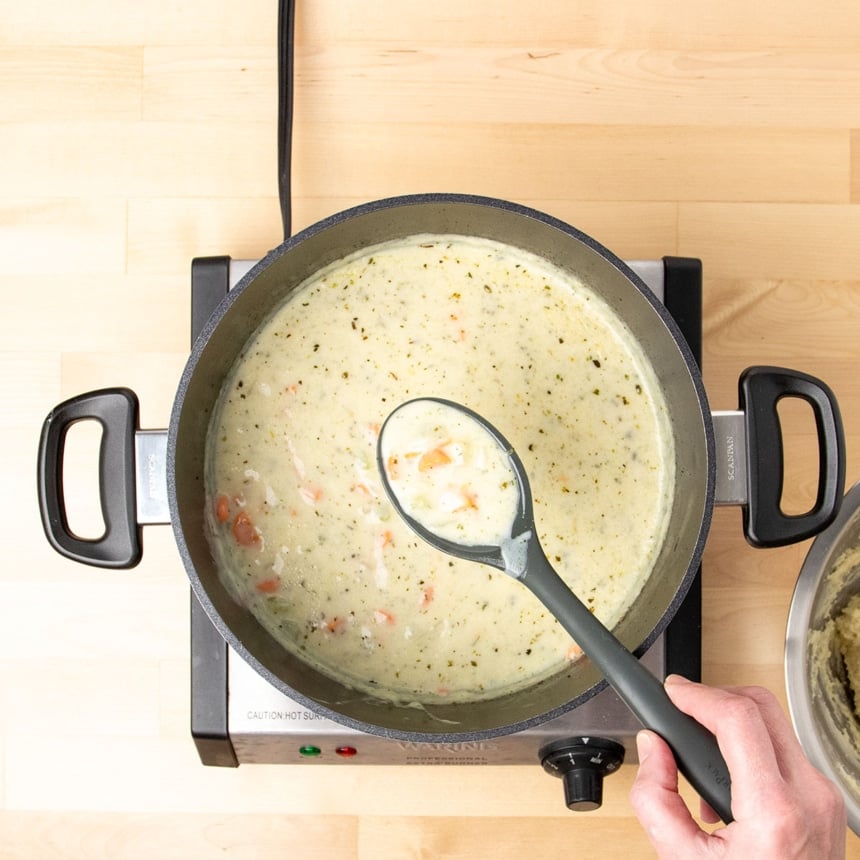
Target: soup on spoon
[{"x": 447, "y": 474}]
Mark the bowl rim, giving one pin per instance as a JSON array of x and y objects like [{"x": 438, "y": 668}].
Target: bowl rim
[{"x": 817, "y": 564}]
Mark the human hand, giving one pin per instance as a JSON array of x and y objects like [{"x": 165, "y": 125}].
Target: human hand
[{"x": 784, "y": 809}]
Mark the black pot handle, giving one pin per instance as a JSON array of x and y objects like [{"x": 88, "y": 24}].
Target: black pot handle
[
  {"x": 116, "y": 409},
  {"x": 760, "y": 390}
]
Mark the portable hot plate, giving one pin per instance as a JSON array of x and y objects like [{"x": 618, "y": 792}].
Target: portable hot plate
[{"x": 238, "y": 717}]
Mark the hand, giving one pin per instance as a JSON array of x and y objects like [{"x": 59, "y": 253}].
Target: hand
[{"x": 784, "y": 809}]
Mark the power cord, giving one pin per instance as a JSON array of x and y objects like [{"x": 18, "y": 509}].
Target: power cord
[{"x": 286, "y": 27}]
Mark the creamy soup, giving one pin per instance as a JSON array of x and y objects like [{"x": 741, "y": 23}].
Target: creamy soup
[
  {"x": 449, "y": 474},
  {"x": 301, "y": 527}
]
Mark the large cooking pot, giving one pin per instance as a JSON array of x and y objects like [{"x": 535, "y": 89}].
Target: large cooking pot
[{"x": 740, "y": 462}]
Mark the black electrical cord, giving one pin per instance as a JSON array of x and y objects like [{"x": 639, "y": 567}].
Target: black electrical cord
[{"x": 286, "y": 26}]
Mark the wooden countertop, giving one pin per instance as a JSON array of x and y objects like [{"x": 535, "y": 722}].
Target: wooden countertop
[{"x": 135, "y": 137}]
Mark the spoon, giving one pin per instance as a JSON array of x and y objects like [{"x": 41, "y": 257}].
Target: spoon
[{"x": 512, "y": 545}]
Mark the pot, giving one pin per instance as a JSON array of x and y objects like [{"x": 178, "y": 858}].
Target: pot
[
  {"x": 732, "y": 457},
  {"x": 819, "y": 697}
]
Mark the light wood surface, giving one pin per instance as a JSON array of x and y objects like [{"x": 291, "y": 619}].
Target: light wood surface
[{"x": 134, "y": 137}]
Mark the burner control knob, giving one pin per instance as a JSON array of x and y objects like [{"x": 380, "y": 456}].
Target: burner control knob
[{"x": 581, "y": 763}]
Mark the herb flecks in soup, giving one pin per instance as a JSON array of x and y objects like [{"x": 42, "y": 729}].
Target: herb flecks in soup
[
  {"x": 299, "y": 521},
  {"x": 449, "y": 474}
]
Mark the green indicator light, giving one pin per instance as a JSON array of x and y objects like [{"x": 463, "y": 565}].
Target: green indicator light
[{"x": 309, "y": 751}]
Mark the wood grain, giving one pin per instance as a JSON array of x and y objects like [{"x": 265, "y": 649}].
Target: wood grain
[{"x": 136, "y": 137}]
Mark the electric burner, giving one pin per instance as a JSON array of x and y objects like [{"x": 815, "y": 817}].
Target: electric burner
[{"x": 238, "y": 717}]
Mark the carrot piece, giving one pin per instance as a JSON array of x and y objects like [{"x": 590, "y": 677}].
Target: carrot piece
[
  {"x": 386, "y": 539},
  {"x": 310, "y": 494},
  {"x": 431, "y": 459},
  {"x": 380, "y": 616},
  {"x": 393, "y": 467},
  {"x": 244, "y": 530},
  {"x": 574, "y": 652},
  {"x": 470, "y": 500},
  {"x": 270, "y": 585},
  {"x": 363, "y": 490},
  {"x": 336, "y": 625},
  {"x": 222, "y": 508},
  {"x": 427, "y": 595}
]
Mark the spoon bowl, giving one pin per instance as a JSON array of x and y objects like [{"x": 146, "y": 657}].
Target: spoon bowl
[{"x": 522, "y": 523}]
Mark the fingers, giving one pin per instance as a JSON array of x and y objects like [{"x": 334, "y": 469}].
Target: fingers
[
  {"x": 822, "y": 798},
  {"x": 655, "y": 799},
  {"x": 743, "y": 738},
  {"x": 790, "y": 758}
]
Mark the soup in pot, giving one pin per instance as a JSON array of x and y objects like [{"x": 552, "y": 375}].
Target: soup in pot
[{"x": 299, "y": 522}]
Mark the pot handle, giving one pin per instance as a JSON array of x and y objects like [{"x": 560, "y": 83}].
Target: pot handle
[
  {"x": 760, "y": 390},
  {"x": 116, "y": 409}
]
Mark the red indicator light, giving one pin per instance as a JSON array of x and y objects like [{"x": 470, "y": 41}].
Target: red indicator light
[{"x": 346, "y": 752}]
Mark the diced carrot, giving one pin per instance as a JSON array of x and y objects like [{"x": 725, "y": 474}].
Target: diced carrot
[
  {"x": 431, "y": 459},
  {"x": 574, "y": 652},
  {"x": 393, "y": 467},
  {"x": 336, "y": 625},
  {"x": 363, "y": 490},
  {"x": 244, "y": 530},
  {"x": 310, "y": 494},
  {"x": 470, "y": 500},
  {"x": 386, "y": 539},
  {"x": 222, "y": 508},
  {"x": 427, "y": 595},
  {"x": 380, "y": 616},
  {"x": 270, "y": 585}
]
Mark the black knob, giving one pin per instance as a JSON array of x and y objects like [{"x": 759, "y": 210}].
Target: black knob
[{"x": 582, "y": 763}]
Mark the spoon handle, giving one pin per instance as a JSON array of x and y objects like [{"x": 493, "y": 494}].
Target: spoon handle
[{"x": 696, "y": 751}]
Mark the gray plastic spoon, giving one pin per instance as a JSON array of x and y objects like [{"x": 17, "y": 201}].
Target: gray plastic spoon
[{"x": 519, "y": 554}]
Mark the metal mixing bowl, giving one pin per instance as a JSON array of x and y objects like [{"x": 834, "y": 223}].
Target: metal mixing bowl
[{"x": 819, "y": 697}]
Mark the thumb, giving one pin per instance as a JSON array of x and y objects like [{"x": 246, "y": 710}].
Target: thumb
[{"x": 657, "y": 804}]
